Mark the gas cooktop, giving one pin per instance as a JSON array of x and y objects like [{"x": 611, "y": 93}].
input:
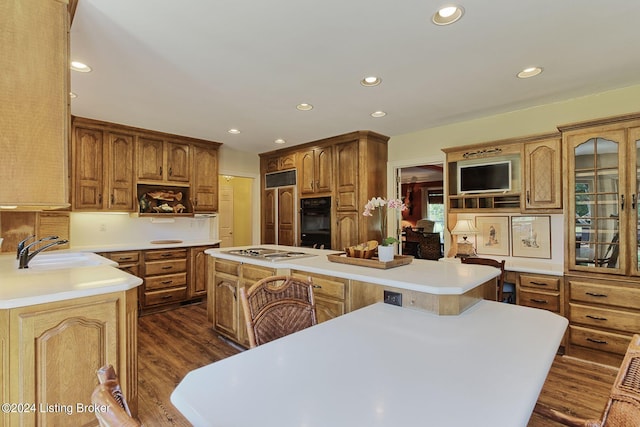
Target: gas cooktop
[{"x": 269, "y": 254}]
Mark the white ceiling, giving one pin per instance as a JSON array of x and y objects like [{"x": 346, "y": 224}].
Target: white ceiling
[{"x": 200, "y": 67}]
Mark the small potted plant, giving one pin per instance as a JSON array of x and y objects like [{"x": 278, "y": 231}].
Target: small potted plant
[{"x": 386, "y": 250}]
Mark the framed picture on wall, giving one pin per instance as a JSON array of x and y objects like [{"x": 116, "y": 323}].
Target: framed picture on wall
[
  {"x": 531, "y": 236},
  {"x": 493, "y": 235}
]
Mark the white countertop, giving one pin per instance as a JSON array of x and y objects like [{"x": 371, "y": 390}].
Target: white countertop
[
  {"x": 522, "y": 265},
  {"x": 26, "y": 287},
  {"x": 433, "y": 277},
  {"x": 384, "y": 366},
  {"x": 140, "y": 246}
]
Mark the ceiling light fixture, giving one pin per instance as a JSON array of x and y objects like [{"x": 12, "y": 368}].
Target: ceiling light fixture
[
  {"x": 304, "y": 107},
  {"x": 279, "y": 141},
  {"x": 234, "y": 131},
  {"x": 529, "y": 72},
  {"x": 447, "y": 15},
  {"x": 371, "y": 81},
  {"x": 80, "y": 67},
  {"x": 378, "y": 114}
]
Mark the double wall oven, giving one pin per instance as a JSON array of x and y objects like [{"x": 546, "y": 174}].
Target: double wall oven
[{"x": 315, "y": 222}]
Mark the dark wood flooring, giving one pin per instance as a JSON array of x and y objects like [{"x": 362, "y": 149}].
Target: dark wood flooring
[{"x": 172, "y": 343}]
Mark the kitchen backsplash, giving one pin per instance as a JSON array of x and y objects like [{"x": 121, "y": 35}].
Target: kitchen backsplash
[{"x": 96, "y": 229}]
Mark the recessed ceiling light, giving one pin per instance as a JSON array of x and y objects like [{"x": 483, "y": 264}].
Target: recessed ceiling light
[
  {"x": 304, "y": 107},
  {"x": 529, "y": 72},
  {"x": 371, "y": 81},
  {"x": 80, "y": 67},
  {"x": 447, "y": 15},
  {"x": 279, "y": 141},
  {"x": 234, "y": 131},
  {"x": 72, "y": 95},
  {"x": 378, "y": 114}
]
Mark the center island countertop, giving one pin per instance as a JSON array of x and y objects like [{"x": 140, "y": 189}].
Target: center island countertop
[{"x": 432, "y": 277}]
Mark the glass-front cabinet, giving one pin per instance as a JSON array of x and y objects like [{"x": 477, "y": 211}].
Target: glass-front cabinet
[{"x": 602, "y": 193}]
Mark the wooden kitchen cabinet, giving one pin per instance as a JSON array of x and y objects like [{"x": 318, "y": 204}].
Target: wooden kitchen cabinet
[
  {"x": 269, "y": 216},
  {"x": 198, "y": 269},
  {"x": 162, "y": 161},
  {"x": 330, "y": 294},
  {"x": 543, "y": 174},
  {"x": 346, "y": 230},
  {"x": 204, "y": 182},
  {"x": 128, "y": 261},
  {"x": 102, "y": 168},
  {"x": 55, "y": 350},
  {"x": 224, "y": 307},
  {"x": 540, "y": 291},
  {"x": 280, "y": 162},
  {"x": 165, "y": 278},
  {"x": 315, "y": 170}
]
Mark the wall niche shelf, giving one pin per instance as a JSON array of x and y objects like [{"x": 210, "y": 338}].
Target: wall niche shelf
[
  {"x": 162, "y": 200},
  {"x": 480, "y": 202}
]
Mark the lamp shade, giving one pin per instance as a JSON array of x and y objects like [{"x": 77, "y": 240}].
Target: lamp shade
[{"x": 464, "y": 227}]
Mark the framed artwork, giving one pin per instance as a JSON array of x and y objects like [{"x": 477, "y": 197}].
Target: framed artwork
[
  {"x": 531, "y": 236},
  {"x": 493, "y": 235}
]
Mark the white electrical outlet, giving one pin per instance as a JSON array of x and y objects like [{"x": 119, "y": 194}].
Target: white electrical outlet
[{"x": 103, "y": 227}]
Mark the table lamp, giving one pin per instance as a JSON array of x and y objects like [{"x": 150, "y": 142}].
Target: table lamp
[{"x": 464, "y": 228}]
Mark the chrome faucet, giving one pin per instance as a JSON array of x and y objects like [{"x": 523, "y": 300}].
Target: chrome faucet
[
  {"x": 24, "y": 257},
  {"x": 22, "y": 243}
]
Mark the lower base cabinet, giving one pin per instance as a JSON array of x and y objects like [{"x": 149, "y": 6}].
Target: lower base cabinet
[
  {"x": 52, "y": 351},
  {"x": 603, "y": 315},
  {"x": 330, "y": 294}
]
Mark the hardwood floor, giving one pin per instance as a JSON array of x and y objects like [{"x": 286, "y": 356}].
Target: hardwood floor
[{"x": 172, "y": 343}]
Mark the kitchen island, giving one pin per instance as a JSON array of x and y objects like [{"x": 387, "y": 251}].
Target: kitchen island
[
  {"x": 60, "y": 320},
  {"x": 384, "y": 366}
]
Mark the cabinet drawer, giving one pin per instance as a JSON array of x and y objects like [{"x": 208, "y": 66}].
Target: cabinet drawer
[
  {"x": 131, "y": 269},
  {"x": 165, "y": 296},
  {"x": 604, "y": 294},
  {"x": 599, "y": 340},
  {"x": 165, "y": 281},
  {"x": 623, "y": 321},
  {"x": 540, "y": 282},
  {"x": 324, "y": 285},
  {"x": 546, "y": 301},
  {"x": 253, "y": 273},
  {"x": 165, "y": 267},
  {"x": 228, "y": 267},
  {"x": 124, "y": 257},
  {"x": 165, "y": 254}
]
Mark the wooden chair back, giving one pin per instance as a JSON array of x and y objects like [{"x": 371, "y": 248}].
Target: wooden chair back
[
  {"x": 429, "y": 246},
  {"x": 492, "y": 263},
  {"x": 623, "y": 407},
  {"x": 277, "y": 306},
  {"x": 108, "y": 395}
]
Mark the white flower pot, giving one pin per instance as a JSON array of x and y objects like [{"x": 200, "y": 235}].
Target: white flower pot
[{"x": 386, "y": 253}]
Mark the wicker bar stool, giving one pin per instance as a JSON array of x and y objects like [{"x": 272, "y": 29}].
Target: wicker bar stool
[
  {"x": 623, "y": 407},
  {"x": 277, "y": 306}
]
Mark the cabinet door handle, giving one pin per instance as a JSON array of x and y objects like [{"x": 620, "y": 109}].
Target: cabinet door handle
[
  {"x": 528, "y": 200},
  {"x": 539, "y": 283},
  {"x": 167, "y": 267},
  {"x": 160, "y": 170},
  {"x": 167, "y": 282},
  {"x": 124, "y": 258},
  {"x": 622, "y": 202},
  {"x": 597, "y": 295},
  {"x": 317, "y": 287},
  {"x": 113, "y": 199},
  {"x": 100, "y": 198},
  {"x": 166, "y": 255},
  {"x": 170, "y": 171},
  {"x": 167, "y": 296},
  {"x": 595, "y": 341},
  {"x": 633, "y": 201},
  {"x": 591, "y": 316},
  {"x": 540, "y": 301}
]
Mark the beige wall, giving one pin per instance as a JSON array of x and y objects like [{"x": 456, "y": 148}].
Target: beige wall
[
  {"x": 541, "y": 119},
  {"x": 242, "y": 209}
]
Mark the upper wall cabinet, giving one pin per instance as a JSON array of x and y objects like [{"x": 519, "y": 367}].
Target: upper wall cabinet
[
  {"x": 34, "y": 114},
  {"x": 162, "y": 161},
  {"x": 514, "y": 175},
  {"x": 204, "y": 182},
  {"x": 315, "y": 169},
  {"x": 277, "y": 163},
  {"x": 603, "y": 166},
  {"x": 115, "y": 167},
  {"x": 102, "y": 168}
]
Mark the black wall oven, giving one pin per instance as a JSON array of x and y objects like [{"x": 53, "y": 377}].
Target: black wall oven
[{"x": 315, "y": 222}]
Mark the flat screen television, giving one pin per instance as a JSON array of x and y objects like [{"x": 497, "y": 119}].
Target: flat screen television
[{"x": 484, "y": 177}]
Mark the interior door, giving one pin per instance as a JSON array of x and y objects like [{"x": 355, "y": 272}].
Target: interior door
[{"x": 225, "y": 221}]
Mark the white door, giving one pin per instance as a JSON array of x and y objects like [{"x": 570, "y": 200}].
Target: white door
[{"x": 225, "y": 216}]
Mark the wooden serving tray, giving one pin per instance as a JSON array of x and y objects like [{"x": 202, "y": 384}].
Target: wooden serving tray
[{"x": 373, "y": 262}]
